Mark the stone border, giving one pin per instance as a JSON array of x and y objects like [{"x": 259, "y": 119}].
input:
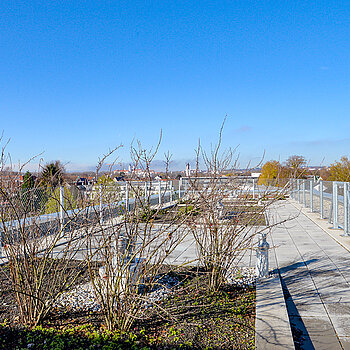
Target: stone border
[{"x": 272, "y": 326}]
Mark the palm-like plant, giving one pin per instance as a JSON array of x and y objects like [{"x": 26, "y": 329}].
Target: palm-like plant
[{"x": 52, "y": 174}]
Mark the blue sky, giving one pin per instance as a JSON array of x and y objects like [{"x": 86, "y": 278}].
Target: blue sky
[{"x": 80, "y": 77}]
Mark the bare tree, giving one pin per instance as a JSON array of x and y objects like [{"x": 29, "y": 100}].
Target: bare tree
[{"x": 296, "y": 164}]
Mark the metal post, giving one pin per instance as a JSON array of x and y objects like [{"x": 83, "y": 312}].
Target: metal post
[
  {"x": 1, "y": 240},
  {"x": 159, "y": 194},
  {"x": 311, "y": 195},
  {"x": 145, "y": 191},
  {"x": 101, "y": 212},
  {"x": 180, "y": 183},
  {"x": 298, "y": 183},
  {"x": 295, "y": 189},
  {"x": 171, "y": 192},
  {"x": 127, "y": 197},
  {"x": 335, "y": 204},
  {"x": 253, "y": 188},
  {"x": 304, "y": 197},
  {"x": 321, "y": 199},
  {"x": 346, "y": 208},
  {"x": 61, "y": 207}
]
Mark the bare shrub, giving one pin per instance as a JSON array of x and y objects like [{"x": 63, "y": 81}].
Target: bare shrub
[
  {"x": 38, "y": 271},
  {"x": 133, "y": 247},
  {"x": 225, "y": 217}
]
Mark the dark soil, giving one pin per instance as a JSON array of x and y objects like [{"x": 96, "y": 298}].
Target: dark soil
[{"x": 203, "y": 320}]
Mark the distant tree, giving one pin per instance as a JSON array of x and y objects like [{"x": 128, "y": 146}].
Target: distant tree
[
  {"x": 28, "y": 181},
  {"x": 27, "y": 197},
  {"x": 340, "y": 171},
  {"x": 52, "y": 174},
  {"x": 270, "y": 172},
  {"x": 325, "y": 173},
  {"x": 105, "y": 180},
  {"x": 296, "y": 164}
]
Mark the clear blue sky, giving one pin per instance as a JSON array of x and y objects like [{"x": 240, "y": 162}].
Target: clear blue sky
[{"x": 79, "y": 77}]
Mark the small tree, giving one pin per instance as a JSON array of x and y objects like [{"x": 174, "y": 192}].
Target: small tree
[
  {"x": 28, "y": 181},
  {"x": 53, "y": 204}
]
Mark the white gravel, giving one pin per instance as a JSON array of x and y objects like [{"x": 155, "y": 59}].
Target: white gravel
[
  {"x": 243, "y": 277},
  {"x": 82, "y": 297}
]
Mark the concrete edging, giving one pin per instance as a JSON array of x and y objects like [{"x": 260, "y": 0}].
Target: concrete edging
[{"x": 272, "y": 326}]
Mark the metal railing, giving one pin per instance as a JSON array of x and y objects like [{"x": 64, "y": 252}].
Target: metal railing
[
  {"x": 328, "y": 198},
  {"x": 67, "y": 208},
  {"x": 64, "y": 209}
]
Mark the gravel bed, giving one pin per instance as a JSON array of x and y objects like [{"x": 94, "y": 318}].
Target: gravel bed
[
  {"x": 242, "y": 277},
  {"x": 82, "y": 297}
]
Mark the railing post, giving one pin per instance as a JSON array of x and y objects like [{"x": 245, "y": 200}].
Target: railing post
[
  {"x": 304, "y": 196},
  {"x": 61, "y": 207},
  {"x": 253, "y": 188},
  {"x": 145, "y": 191},
  {"x": 335, "y": 204},
  {"x": 311, "y": 195},
  {"x": 171, "y": 192},
  {"x": 100, "y": 203},
  {"x": 321, "y": 199},
  {"x": 298, "y": 183},
  {"x": 180, "y": 183},
  {"x": 346, "y": 208},
  {"x": 159, "y": 194},
  {"x": 127, "y": 197}
]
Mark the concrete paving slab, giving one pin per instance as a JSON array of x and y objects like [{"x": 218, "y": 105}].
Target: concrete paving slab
[
  {"x": 316, "y": 279},
  {"x": 320, "y": 342},
  {"x": 273, "y": 340},
  {"x": 308, "y": 307}
]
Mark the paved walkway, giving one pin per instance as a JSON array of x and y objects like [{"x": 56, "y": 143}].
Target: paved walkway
[{"x": 315, "y": 276}]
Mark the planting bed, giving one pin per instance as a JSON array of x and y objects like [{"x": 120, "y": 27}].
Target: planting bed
[{"x": 188, "y": 318}]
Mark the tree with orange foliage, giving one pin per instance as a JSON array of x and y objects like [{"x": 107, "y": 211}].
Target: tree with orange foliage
[
  {"x": 270, "y": 173},
  {"x": 340, "y": 171}
]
